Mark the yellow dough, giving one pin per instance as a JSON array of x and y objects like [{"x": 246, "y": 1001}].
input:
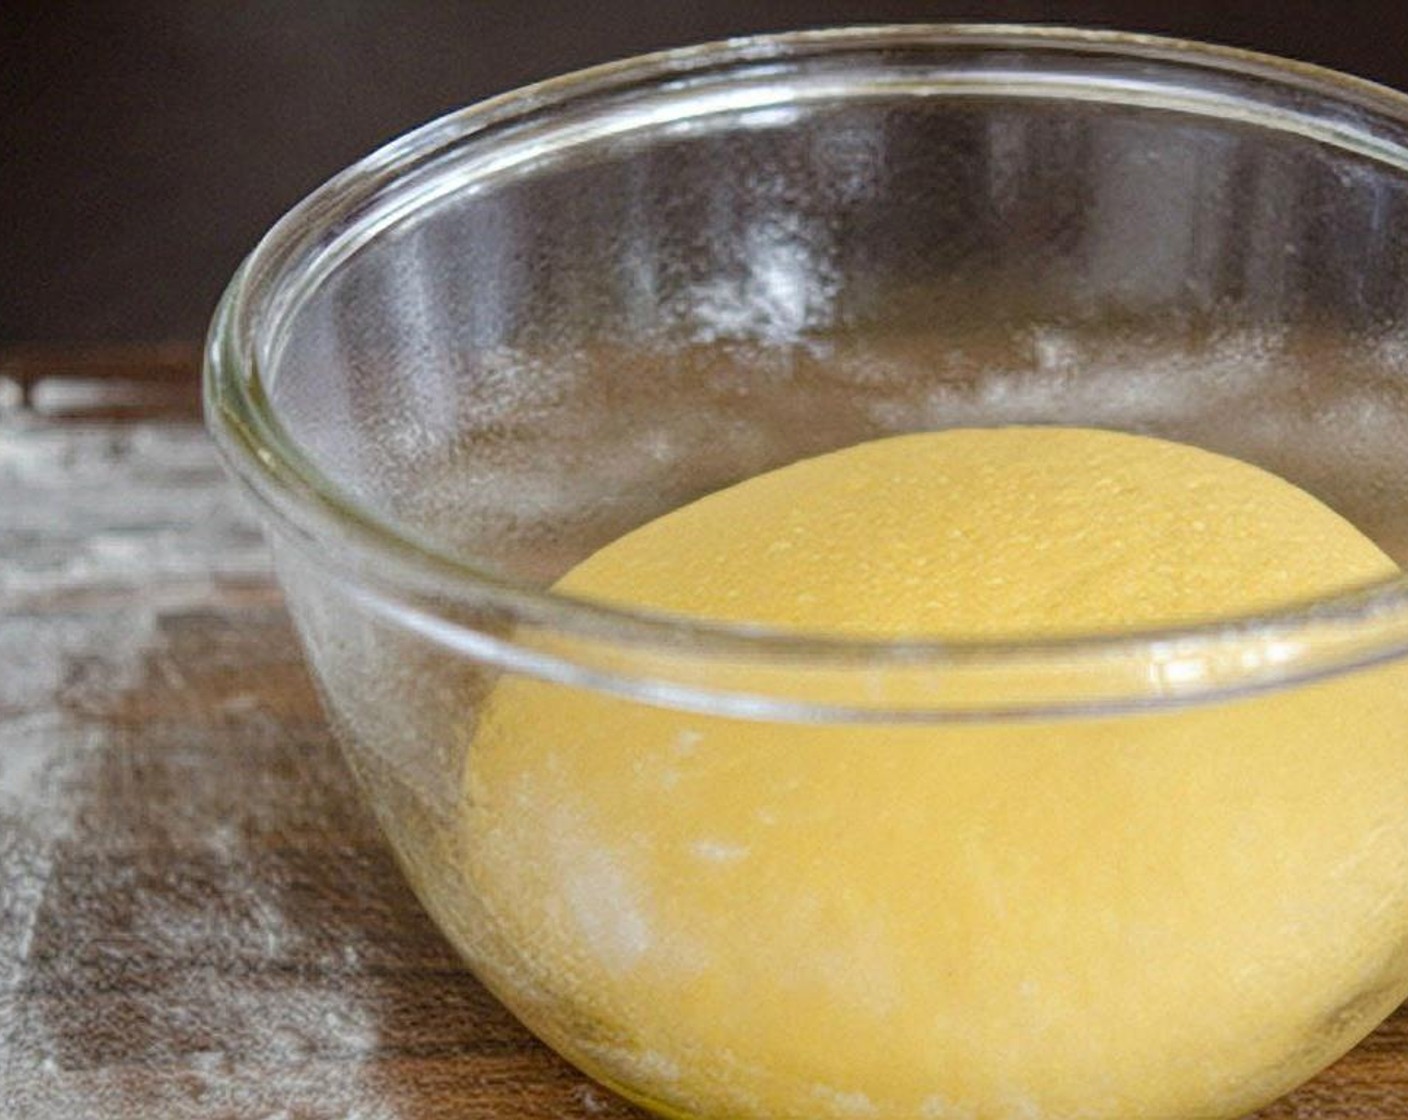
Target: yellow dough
[{"x": 1174, "y": 915}]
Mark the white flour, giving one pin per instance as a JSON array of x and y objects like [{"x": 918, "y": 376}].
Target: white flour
[
  {"x": 116, "y": 506},
  {"x": 156, "y": 997}
]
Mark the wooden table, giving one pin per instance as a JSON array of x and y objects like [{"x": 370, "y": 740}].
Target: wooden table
[{"x": 197, "y": 918}]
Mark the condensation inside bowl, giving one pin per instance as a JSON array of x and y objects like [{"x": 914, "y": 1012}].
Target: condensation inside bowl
[{"x": 524, "y": 371}]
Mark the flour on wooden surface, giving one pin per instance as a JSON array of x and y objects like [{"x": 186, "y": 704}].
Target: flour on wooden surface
[
  {"x": 117, "y": 505},
  {"x": 206, "y": 1029}
]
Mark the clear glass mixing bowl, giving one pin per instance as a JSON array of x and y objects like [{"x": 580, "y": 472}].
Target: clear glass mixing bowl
[{"x": 476, "y": 356}]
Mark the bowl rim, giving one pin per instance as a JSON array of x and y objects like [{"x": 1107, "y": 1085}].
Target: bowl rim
[{"x": 1326, "y": 635}]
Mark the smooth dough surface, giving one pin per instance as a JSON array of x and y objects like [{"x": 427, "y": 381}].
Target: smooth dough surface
[{"x": 1166, "y": 916}]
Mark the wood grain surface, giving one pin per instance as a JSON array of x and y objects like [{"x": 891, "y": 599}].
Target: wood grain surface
[{"x": 197, "y": 917}]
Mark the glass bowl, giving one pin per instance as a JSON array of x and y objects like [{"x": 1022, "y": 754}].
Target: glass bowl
[{"x": 1154, "y": 875}]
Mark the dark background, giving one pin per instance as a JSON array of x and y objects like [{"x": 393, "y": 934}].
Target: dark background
[{"x": 144, "y": 146}]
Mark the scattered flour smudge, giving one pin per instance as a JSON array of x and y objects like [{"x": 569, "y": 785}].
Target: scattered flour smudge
[{"x": 145, "y": 509}]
